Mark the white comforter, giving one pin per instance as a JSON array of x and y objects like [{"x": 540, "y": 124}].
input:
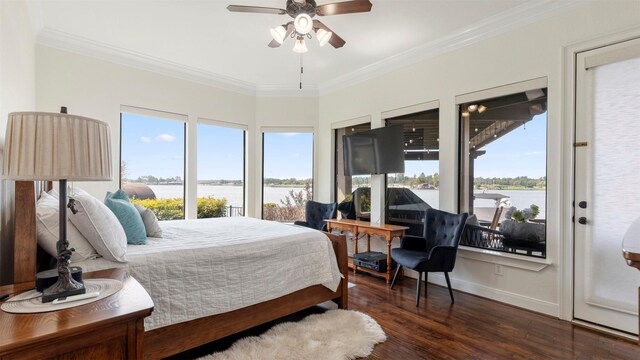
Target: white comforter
[{"x": 211, "y": 266}]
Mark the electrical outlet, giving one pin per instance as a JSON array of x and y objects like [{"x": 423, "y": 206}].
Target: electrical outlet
[{"x": 498, "y": 270}]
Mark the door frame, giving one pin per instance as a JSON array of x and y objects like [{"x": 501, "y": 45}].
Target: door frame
[{"x": 569, "y": 83}]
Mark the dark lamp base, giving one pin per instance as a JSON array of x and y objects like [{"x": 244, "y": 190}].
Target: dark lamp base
[
  {"x": 47, "y": 278},
  {"x": 65, "y": 286}
]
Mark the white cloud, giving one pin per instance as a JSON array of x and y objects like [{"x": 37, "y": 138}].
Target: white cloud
[
  {"x": 165, "y": 138},
  {"x": 145, "y": 140}
]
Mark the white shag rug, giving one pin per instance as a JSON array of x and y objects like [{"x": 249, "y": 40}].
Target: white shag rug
[{"x": 333, "y": 335}]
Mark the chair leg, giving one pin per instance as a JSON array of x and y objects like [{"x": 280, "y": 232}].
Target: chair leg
[
  {"x": 446, "y": 276},
  {"x": 418, "y": 289},
  {"x": 426, "y": 277},
  {"x": 393, "y": 282}
]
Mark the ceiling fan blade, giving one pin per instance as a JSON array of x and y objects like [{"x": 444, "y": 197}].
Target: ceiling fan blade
[
  {"x": 335, "y": 41},
  {"x": 256, "y": 9},
  {"x": 290, "y": 27},
  {"x": 345, "y": 7}
]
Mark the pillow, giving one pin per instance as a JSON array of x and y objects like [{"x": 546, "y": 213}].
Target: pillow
[
  {"x": 47, "y": 228},
  {"x": 99, "y": 225},
  {"x": 129, "y": 217},
  {"x": 150, "y": 221}
]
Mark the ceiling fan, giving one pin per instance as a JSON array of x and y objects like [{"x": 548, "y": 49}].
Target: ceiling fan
[{"x": 302, "y": 12}]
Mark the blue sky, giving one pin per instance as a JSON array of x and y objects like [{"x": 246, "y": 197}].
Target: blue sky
[
  {"x": 220, "y": 153},
  {"x": 156, "y": 147},
  {"x": 288, "y": 155},
  {"x": 152, "y": 146}
]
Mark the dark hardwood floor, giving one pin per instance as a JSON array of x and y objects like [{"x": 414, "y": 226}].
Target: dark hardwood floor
[{"x": 472, "y": 328}]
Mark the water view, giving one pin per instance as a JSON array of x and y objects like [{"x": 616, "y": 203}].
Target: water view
[{"x": 518, "y": 198}]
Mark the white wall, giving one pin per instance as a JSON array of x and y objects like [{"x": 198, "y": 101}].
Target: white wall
[
  {"x": 531, "y": 52},
  {"x": 97, "y": 88},
  {"x": 17, "y": 93}
]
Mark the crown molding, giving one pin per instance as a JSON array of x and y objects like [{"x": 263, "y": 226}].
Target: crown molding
[
  {"x": 503, "y": 22},
  {"x": 286, "y": 91},
  {"x": 83, "y": 46}
]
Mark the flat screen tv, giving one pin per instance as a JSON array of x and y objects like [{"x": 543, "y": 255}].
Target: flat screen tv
[{"x": 377, "y": 151}]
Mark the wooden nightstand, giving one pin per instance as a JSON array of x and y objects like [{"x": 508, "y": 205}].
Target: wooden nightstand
[{"x": 110, "y": 328}]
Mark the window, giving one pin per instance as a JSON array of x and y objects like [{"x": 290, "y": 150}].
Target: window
[
  {"x": 287, "y": 175},
  {"x": 152, "y": 164},
  {"x": 346, "y": 186},
  {"x": 220, "y": 171},
  {"x": 503, "y": 176},
  {"x": 409, "y": 195}
]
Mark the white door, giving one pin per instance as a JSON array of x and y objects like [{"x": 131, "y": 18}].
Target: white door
[{"x": 607, "y": 184}]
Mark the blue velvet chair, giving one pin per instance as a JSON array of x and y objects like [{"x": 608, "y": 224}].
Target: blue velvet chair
[
  {"x": 435, "y": 251},
  {"x": 317, "y": 213}
]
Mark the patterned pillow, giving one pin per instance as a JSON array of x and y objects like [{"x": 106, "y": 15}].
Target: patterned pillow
[
  {"x": 47, "y": 227},
  {"x": 99, "y": 225}
]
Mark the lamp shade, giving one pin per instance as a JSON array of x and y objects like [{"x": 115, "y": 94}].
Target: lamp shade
[
  {"x": 303, "y": 23},
  {"x": 300, "y": 46},
  {"x": 323, "y": 36},
  {"x": 278, "y": 33},
  {"x": 55, "y": 146}
]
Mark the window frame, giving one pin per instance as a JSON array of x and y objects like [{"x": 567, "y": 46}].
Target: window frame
[
  {"x": 479, "y": 96},
  {"x": 286, "y": 129},
  {"x": 159, "y": 115},
  {"x": 229, "y": 125}
]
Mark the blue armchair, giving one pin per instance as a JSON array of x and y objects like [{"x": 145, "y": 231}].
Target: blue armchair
[
  {"x": 317, "y": 213},
  {"x": 435, "y": 251}
]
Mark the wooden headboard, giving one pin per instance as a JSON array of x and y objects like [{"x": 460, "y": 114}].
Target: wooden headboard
[{"x": 25, "y": 246}]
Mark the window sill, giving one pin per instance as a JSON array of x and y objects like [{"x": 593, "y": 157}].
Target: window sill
[{"x": 506, "y": 259}]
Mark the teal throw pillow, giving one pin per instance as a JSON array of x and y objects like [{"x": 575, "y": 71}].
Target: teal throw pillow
[{"x": 118, "y": 202}]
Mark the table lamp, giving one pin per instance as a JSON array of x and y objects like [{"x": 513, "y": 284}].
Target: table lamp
[{"x": 58, "y": 147}]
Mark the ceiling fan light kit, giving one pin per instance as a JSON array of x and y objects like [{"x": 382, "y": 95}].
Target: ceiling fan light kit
[
  {"x": 300, "y": 47},
  {"x": 303, "y": 24},
  {"x": 278, "y": 34},
  {"x": 303, "y": 12},
  {"x": 323, "y": 36}
]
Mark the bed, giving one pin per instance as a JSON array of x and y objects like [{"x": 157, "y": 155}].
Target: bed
[{"x": 220, "y": 307}]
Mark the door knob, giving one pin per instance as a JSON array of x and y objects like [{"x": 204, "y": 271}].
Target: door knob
[{"x": 582, "y": 220}]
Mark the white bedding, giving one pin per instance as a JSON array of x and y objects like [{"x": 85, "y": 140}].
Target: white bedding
[{"x": 211, "y": 266}]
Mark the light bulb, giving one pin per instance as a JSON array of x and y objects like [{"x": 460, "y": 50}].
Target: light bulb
[
  {"x": 278, "y": 33},
  {"x": 465, "y": 113},
  {"x": 414, "y": 129},
  {"x": 481, "y": 109},
  {"x": 473, "y": 108},
  {"x": 303, "y": 24},
  {"x": 476, "y": 129},
  {"x": 300, "y": 46},
  {"x": 323, "y": 36}
]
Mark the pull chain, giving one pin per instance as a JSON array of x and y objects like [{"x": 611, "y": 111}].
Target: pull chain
[{"x": 301, "y": 71}]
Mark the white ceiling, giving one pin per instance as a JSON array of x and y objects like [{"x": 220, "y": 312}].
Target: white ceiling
[{"x": 201, "y": 39}]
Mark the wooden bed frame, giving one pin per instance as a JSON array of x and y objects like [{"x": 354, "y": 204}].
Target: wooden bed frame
[{"x": 176, "y": 338}]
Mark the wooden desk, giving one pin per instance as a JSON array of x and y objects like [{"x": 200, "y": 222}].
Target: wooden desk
[
  {"x": 387, "y": 231},
  {"x": 110, "y": 328}
]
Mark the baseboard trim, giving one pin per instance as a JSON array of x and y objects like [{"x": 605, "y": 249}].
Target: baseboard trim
[{"x": 506, "y": 297}]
